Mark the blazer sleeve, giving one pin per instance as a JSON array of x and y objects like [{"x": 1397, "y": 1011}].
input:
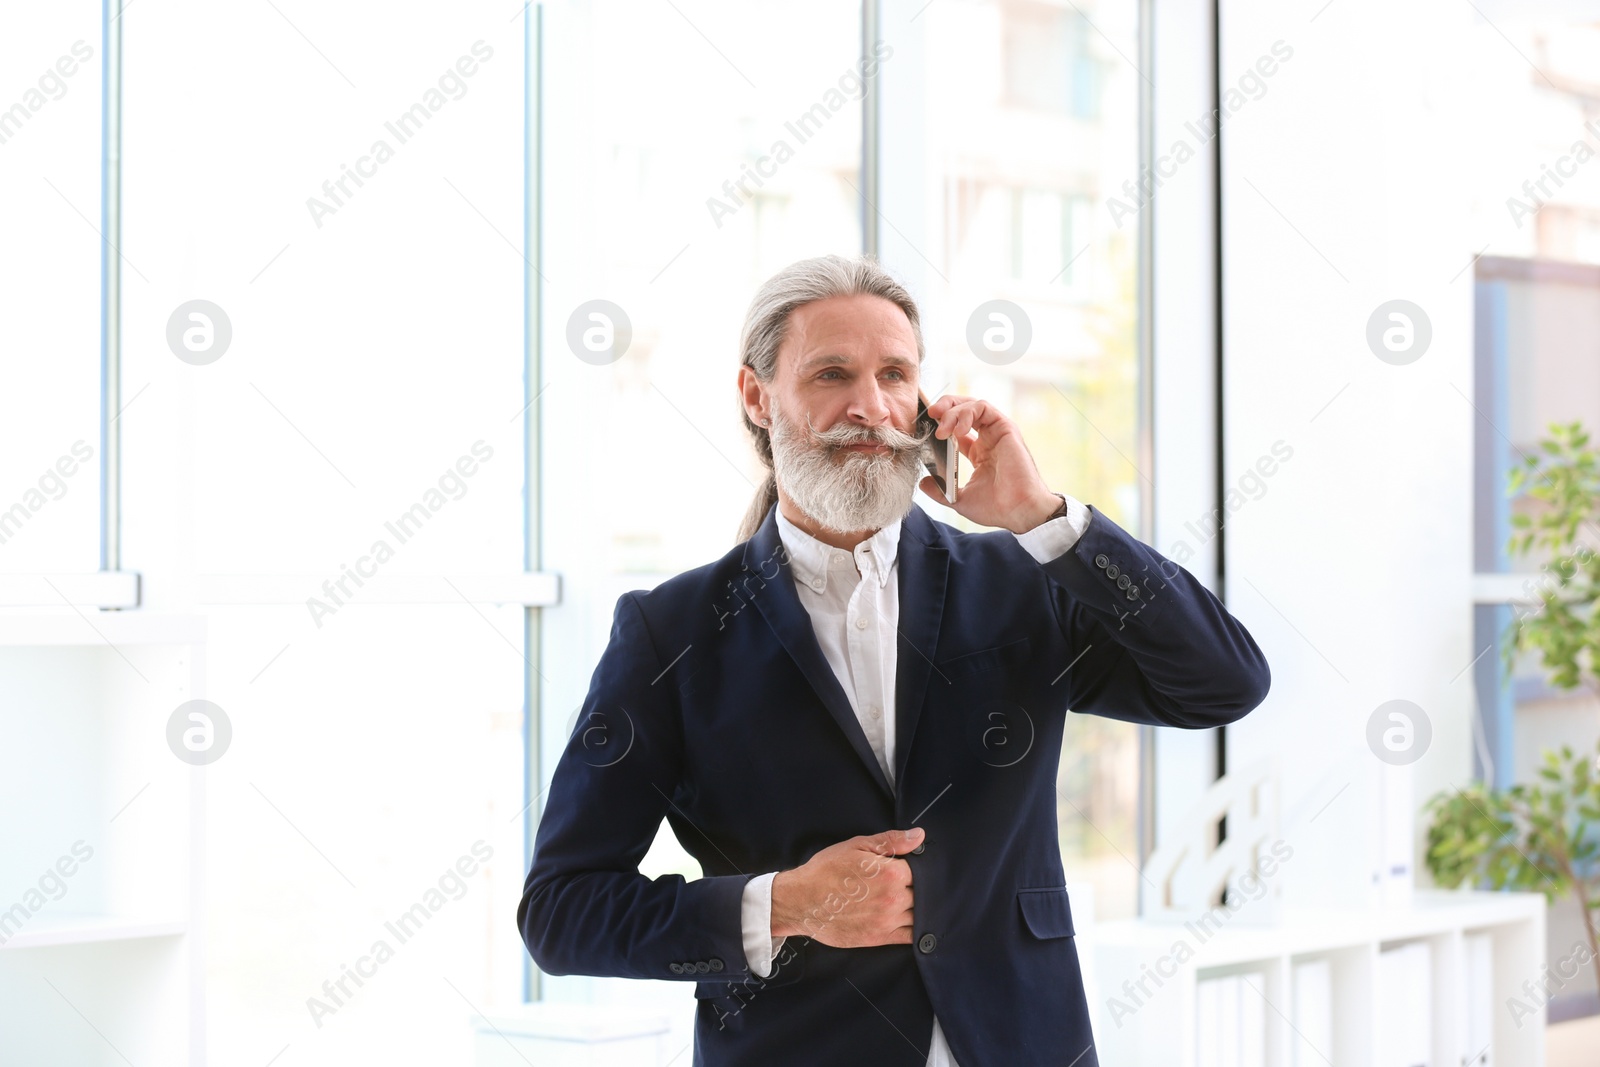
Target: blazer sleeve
[
  {"x": 585, "y": 907},
  {"x": 1169, "y": 654}
]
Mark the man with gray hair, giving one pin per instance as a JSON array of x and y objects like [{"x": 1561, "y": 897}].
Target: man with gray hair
[{"x": 853, "y": 721}]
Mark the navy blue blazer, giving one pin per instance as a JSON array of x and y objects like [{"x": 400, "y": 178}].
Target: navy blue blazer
[{"x": 713, "y": 707}]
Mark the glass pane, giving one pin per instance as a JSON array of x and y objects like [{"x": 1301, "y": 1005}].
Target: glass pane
[
  {"x": 372, "y": 794},
  {"x": 1537, "y": 328},
  {"x": 1533, "y": 195},
  {"x": 342, "y": 184},
  {"x": 662, "y": 125},
  {"x": 1033, "y": 121},
  {"x": 50, "y": 275},
  {"x": 665, "y": 196},
  {"x": 371, "y": 273},
  {"x": 1536, "y": 209}
]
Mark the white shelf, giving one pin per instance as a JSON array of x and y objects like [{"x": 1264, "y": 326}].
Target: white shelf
[
  {"x": 1162, "y": 1026},
  {"x": 92, "y": 627},
  {"x": 571, "y": 1035},
  {"x": 1310, "y": 930},
  {"x": 104, "y": 831},
  {"x": 95, "y": 589},
  {"x": 88, "y": 929}
]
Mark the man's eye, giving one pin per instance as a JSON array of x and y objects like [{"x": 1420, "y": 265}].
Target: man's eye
[{"x": 898, "y": 374}]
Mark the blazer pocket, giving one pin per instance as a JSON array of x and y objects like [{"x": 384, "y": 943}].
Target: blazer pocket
[
  {"x": 787, "y": 967},
  {"x": 1009, "y": 654},
  {"x": 1046, "y": 912}
]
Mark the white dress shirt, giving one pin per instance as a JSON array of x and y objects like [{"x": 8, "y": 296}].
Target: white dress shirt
[{"x": 853, "y": 599}]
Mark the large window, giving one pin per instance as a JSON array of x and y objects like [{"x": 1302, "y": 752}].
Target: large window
[
  {"x": 1536, "y": 329},
  {"x": 1031, "y": 125},
  {"x": 665, "y": 195},
  {"x": 50, "y": 286},
  {"x": 685, "y": 160},
  {"x": 338, "y": 185},
  {"x": 387, "y": 221}
]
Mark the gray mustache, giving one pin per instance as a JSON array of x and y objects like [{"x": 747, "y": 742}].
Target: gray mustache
[{"x": 892, "y": 438}]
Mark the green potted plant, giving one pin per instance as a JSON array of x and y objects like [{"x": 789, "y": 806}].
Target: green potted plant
[{"x": 1543, "y": 835}]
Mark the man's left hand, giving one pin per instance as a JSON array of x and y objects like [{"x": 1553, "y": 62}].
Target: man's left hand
[{"x": 1004, "y": 488}]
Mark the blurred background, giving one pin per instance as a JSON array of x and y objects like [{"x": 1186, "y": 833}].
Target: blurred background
[{"x": 299, "y": 419}]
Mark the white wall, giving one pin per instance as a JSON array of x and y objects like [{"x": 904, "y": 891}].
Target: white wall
[{"x": 1352, "y": 569}]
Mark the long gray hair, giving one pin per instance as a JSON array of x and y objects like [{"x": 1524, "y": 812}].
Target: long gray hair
[{"x": 767, "y": 323}]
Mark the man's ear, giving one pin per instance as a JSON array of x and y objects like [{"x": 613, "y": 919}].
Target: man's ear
[{"x": 755, "y": 400}]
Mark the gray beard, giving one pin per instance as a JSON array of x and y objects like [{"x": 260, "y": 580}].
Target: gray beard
[{"x": 855, "y": 491}]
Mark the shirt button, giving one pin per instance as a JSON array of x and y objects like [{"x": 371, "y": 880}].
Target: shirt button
[
  {"x": 817, "y": 584},
  {"x": 874, "y": 712},
  {"x": 861, "y": 624},
  {"x": 927, "y": 943}
]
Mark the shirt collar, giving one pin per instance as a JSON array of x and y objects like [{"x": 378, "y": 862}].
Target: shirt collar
[{"x": 815, "y": 561}]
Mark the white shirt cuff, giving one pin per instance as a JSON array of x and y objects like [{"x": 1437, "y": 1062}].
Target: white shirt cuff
[
  {"x": 1051, "y": 539},
  {"x": 755, "y": 916}
]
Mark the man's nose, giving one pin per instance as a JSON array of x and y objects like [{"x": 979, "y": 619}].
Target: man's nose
[{"x": 869, "y": 406}]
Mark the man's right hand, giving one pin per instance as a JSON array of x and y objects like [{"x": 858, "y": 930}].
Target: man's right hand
[{"x": 855, "y": 894}]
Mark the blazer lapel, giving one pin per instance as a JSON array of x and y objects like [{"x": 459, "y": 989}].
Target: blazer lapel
[
  {"x": 923, "y": 566},
  {"x": 778, "y": 602}
]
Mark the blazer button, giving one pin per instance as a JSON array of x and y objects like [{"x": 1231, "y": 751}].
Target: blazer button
[
  {"x": 702, "y": 967},
  {"x": 1112, "y": 572},
  {"x": 919, "y": 849},
  {"x": 1101, "y": 560},
  {"x": 927, "y": 943},
  {"x": 675, "y": 968},
  {"x": 1132, "y": 593},
  {"x": 1124, "y": 582},
  {"x": 716, "y": 965}
]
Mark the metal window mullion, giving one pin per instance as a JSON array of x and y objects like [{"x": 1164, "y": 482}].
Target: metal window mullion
[
  {"x": 110, "y": 286},
  {"x": 871, "y": 24},
  {"x": 532, "y": 347}
]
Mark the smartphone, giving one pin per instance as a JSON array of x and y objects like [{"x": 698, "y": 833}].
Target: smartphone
[{"x": 942, "y": 458}]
